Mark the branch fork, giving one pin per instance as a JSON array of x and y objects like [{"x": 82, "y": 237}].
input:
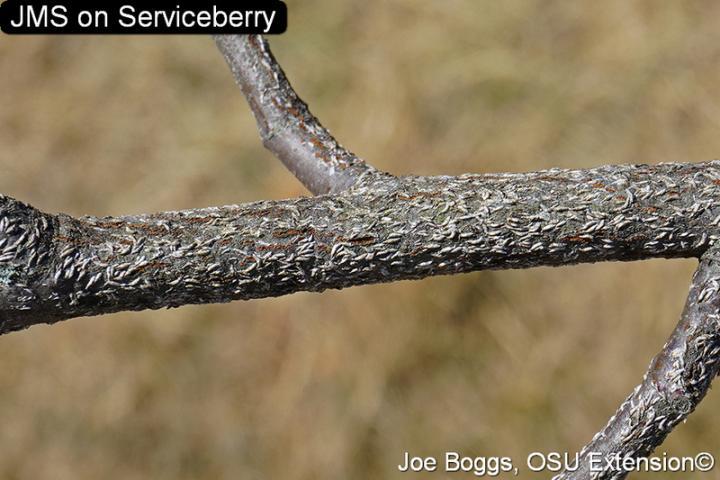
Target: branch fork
[{"x": 368, "y": 226}]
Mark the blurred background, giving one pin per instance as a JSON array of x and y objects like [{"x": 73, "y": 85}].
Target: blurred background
[{"x": 340, "y": 384}]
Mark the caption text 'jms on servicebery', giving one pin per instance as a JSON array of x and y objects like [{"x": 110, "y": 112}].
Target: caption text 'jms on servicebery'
[{"x": 143, "y": 17}]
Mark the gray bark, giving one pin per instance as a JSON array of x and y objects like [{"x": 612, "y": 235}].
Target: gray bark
[
  {"x": 676, "y": 381},
  {"x": 286, "y": 126},
  {"x": 54, "y": 267},
  {"x": 374, "y": 227}
]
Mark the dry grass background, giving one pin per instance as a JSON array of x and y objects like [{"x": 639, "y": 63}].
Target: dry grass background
[{"x": 339, "y": 384}]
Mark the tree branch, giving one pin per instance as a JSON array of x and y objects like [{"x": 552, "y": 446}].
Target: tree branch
[
  {"x": 384, "y": 228},
  {"x": 381, "y": 229},
  {"x": 677, "y": 380},
  {"x": 54, "y": 267},
  {"x": 287, "y": 127}
]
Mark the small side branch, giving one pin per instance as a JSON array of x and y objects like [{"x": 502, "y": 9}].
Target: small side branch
[
  {"x": 287, "y": 127},
  {"x": 677, "y": 380}
]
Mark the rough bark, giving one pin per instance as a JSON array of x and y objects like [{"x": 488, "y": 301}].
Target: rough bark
[
  {"x": 287, "y": 127},
  {"x": 379, "y": 228},
  {"x": 676, "y": 381},
  {"x": 54, "y": 267}
]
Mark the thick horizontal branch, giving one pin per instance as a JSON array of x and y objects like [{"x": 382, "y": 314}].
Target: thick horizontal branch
[
  {"x": 677, "y": 380},
  {"x": 54, "y": 267},
  {"x": 287, "y": 127}
]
